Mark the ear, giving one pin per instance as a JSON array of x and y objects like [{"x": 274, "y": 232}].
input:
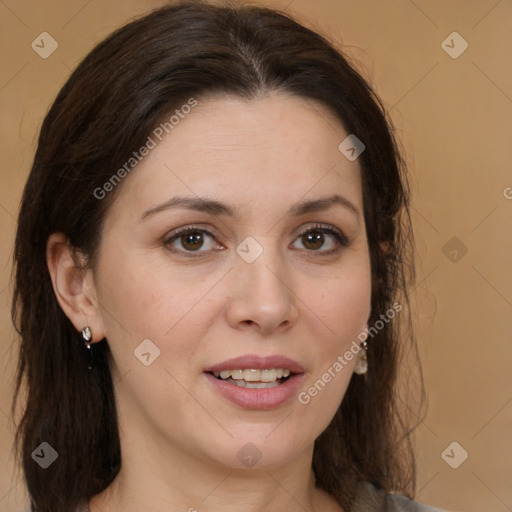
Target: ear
[{"x": 73, "y": 285}]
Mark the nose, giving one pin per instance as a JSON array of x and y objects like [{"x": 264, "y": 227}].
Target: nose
[{"x": 262, "y": 298}]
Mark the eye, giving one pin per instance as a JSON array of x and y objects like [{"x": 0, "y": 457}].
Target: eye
[
  {"x": 194, "y": 241},
  {"x": 322, "y": 239},
  {"x": 191, "y": 240}
]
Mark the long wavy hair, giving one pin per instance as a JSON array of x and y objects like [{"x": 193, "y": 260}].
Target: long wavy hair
[{"x": 106, "y": 110}]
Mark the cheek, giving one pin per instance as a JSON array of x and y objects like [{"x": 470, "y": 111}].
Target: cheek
[
  {"x": 342, "y": 309},
  {"x": 141, "y": 301},
  {"x": 343, "y": 304},
  {"x": 144, "y": 298}
]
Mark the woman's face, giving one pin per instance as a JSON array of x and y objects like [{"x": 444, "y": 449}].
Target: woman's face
[{"x": 263, "y": 275}]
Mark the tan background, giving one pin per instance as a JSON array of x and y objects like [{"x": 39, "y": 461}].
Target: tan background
[{"x": 454, "y": 120}]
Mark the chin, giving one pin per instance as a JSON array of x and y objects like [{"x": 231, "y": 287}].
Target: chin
[{"x": 259, "y": 451}]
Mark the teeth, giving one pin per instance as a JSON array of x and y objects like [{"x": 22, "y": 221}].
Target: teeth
[
  {"x": 254, "y": 385},
  {"x": 253, "y": 375},
  {"x": 269, "y": 375}
]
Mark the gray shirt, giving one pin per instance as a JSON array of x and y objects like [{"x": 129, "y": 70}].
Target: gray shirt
[{"x": 371, "y": 499}]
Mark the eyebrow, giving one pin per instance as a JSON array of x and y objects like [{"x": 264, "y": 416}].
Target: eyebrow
[{"x": 217, "y": 208}]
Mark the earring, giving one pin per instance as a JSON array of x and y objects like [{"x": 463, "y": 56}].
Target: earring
[
  {"x": 361, "y": 367},
  {"x": 87, "y": 336}
]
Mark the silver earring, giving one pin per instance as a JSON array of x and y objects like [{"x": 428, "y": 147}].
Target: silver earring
[
  {"x": 361, "y": 367},
  {"x": 87, "y": 336}
]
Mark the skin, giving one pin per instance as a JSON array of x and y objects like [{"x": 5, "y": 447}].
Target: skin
[{"x": 179, "y": 437}]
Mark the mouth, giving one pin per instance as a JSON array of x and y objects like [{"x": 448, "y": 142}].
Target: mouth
[
  {"x": 255, "y": 382},
  {"x": 254, "y": 378}
]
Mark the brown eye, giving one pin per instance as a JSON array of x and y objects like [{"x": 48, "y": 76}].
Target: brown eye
[
  {"x": 323, "y": 240},
  {"x": 192, "y": 241},
  {"x": 313, "y": 240}
]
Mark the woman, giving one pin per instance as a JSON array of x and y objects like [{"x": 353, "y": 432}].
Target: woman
[{"x": 209, "y": 259}]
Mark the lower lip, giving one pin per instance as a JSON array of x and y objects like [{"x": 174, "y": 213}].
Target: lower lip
[{"x": 267, "y": 398}]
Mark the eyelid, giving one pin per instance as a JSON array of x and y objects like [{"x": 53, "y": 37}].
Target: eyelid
[
  {"x": 328, "y": 228},
  {"x": 185, "y": 229}
]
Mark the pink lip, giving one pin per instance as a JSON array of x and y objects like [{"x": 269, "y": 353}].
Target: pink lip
[
  {"x": 258, "y": 363},
  {"x": 257, "y": 398}
]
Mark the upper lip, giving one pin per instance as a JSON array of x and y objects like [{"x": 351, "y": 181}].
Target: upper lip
[{"x": 252, "y": 361}]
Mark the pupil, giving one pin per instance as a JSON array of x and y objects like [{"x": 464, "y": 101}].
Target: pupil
[
  {"x": 192, "y": 241},
  {"x": 314, "y": 239}
]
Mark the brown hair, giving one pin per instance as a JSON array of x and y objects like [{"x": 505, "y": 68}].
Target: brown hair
[{"x": 105, "y": 111}]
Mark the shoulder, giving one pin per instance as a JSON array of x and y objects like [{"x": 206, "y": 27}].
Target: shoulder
[{"x": 370, "y": 499}]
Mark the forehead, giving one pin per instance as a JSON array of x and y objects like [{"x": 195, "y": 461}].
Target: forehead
[{"x": 273, "y": 148}]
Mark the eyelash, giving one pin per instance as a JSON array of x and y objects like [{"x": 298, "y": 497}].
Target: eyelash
[{"x": 340, "y": 237}]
